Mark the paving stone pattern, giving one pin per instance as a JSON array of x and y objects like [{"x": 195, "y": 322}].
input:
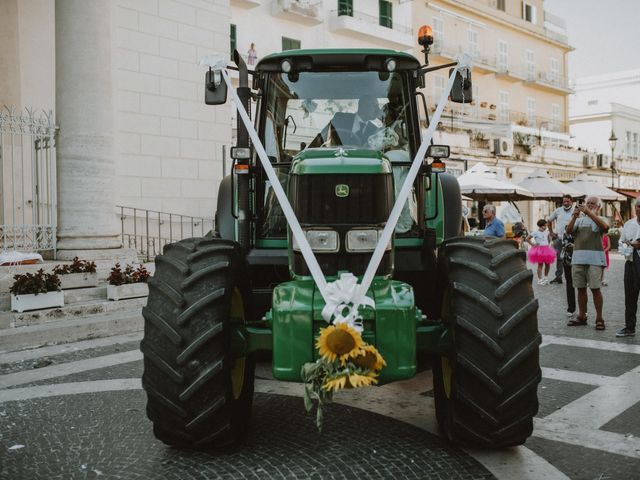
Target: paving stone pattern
[
  {"x": 67, "y": 357},
  {"x": 588, "y": 360},
  {"x": 123, "y": 370},
  {"x": 64, "y": 439},
  {"x": 579, "y": 463},
  {"x": 627, "y": 423},
  {"x": 555, "y": 394}
]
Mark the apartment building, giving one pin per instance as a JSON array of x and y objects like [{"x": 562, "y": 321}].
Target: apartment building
[
  {"x": 602, "y": 105},
  {"x": 520, "y": 64}
]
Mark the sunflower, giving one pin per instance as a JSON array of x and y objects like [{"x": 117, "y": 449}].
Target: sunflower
[
  {"x": 369, "y": 358},
  {"x": 335, "y": 383},
  {"x": 350, "y": 380},
  {"x": 339, "y": 341}
]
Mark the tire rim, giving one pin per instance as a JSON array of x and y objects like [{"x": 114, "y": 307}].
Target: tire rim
[
  {"x": 238, "y": 367},
  {"x": 446, "y": 376}
]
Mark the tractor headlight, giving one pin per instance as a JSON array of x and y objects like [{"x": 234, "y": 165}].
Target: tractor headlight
[
  {"x": 364, "y": 240},
  {"x": 320, "y": 241}
]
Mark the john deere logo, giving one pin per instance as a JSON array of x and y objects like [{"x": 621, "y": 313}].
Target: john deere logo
[{"x": 342, "y": 190}]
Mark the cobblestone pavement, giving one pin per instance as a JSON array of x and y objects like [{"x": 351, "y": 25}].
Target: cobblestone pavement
[{"x": 77, "y": 411}]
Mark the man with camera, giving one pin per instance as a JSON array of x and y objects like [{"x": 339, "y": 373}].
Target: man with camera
[
  {"x": 561, "y": 216},
  {"x": 588, "y": 257},
  {"x": 629, "y": 246}
]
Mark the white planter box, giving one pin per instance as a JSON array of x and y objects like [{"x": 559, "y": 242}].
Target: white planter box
[
  {"x": 78, "y": 280},
  {"x": 129, "y": 290},
  {"x": 21, "y": 303}
]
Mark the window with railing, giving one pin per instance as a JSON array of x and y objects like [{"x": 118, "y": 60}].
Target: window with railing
[
  {"x": 531, "y": 111},
  {"x": 531, "y": 65},
  {"x": 503, "y": 105},
  {"x": 636, "y": 144},
  {"x": 386, "y": 13},
  {"x": 290, "y": 44},
  {"x": 555, "y": 116},
  {"x": 554, "y": 72},
  {"x": 345, "y": 7},
  {"x": 629, "y": 143},
  {"x": 438, "y": 34},
  {"x": 529, "y": 13},
  {"x": 472, "y": 43},
  {"x": 503, "y": 56}
]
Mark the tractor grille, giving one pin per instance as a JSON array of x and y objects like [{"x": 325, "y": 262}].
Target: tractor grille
[
  {"x": 315, "y": 201},
  {"x": 316, "y": 204}
]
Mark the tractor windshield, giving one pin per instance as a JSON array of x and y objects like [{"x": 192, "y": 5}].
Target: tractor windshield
[{"x": 367, "y": 110}]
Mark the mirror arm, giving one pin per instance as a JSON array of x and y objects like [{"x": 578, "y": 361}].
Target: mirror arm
[{"x": 425, "y": 69}]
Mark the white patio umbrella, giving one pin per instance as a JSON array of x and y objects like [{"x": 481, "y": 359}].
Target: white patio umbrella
[
  {"x": 480, "y": 183},
  {"x": 589, "y": 185},
  {"x": 543, "y": 186}
]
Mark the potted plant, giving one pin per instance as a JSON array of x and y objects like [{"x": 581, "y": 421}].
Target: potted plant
[
  {"x": 127, "y": 283},
  {"x": 80, "y": 274},
  {"x": 33, "y": 291}
]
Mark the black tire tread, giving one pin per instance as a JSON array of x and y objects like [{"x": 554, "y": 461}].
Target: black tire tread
[
  {"x": 490, "y": 309},
  {"x": 187, "y": 345}
]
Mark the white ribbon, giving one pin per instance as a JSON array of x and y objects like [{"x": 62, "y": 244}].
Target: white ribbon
[
  {"x": 287, "y": 210},
  {"x": 339, "y": 298},
  {"x": 342, "y": 297}
]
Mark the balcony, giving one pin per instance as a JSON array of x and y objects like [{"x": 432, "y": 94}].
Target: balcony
[
  {"x": 246, "y": 3},
  {"x": 482, "y": 63},
  {"x": 458, "y": 117},
  {"x": 510, "y": 72},
  {"x": 368, "y": 28},
  {"x": 552, "y": 82},
  {"x": 305, "y": 11}
]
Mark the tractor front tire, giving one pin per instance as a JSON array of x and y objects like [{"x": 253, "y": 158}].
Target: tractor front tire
[
  {"x": 199, "y": 391},
  {"x": 485, "y": 387}
]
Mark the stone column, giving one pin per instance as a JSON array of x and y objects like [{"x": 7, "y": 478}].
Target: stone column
[{"x": 85, "y": 113}]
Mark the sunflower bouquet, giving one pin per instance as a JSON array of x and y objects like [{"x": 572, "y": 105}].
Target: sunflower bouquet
[{"x": 346, "y": 361}]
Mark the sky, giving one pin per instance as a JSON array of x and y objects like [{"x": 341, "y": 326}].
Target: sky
[{"x": 604, "y": 33}]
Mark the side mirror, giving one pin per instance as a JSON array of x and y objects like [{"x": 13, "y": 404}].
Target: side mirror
[
  {"x": 215, "y": 88},
  {"x": 461, "y": 92},
  {"x": 438, "y": 151}
]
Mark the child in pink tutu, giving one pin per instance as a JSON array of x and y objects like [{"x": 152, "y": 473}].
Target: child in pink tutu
[{"x": 541, "y": 253}]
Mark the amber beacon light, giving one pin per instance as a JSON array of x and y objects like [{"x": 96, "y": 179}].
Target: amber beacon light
[{"x": 425, "y": 36}]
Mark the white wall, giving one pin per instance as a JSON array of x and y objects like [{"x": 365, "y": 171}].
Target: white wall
[
  {"x": 27, "y": 54},
  {"x": 595, "y": 93},
  {"x": 169, "y": 141},
  {"x": 592, "y": 136}
]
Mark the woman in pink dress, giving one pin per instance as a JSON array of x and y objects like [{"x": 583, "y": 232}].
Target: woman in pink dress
[{"x": 541, "y": 253}]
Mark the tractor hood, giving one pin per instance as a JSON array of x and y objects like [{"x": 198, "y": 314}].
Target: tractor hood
[{"x": 313, "y": 161}]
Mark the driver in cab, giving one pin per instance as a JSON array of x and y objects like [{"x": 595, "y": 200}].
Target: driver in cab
[{"x": 352, "y": 129}]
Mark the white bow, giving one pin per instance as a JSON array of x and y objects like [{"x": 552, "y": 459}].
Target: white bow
[{"x": 340, "y": 297}]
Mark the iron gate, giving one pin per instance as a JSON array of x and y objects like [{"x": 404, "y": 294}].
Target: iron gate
[{"x": 27, "y": 180}]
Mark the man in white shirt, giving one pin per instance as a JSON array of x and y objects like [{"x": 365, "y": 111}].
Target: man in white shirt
[
  {"x": 629, "y": 245},
  {"x": 562, "y": 217}
]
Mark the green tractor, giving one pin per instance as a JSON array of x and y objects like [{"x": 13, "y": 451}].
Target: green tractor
[{"x": 463, "y": 305}]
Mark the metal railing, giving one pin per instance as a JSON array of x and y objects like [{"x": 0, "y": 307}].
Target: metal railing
[
  {"x": 28, "y": 212},
  {"x": 454, "y": 116},
  {"x": 148, "y": 231}
]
